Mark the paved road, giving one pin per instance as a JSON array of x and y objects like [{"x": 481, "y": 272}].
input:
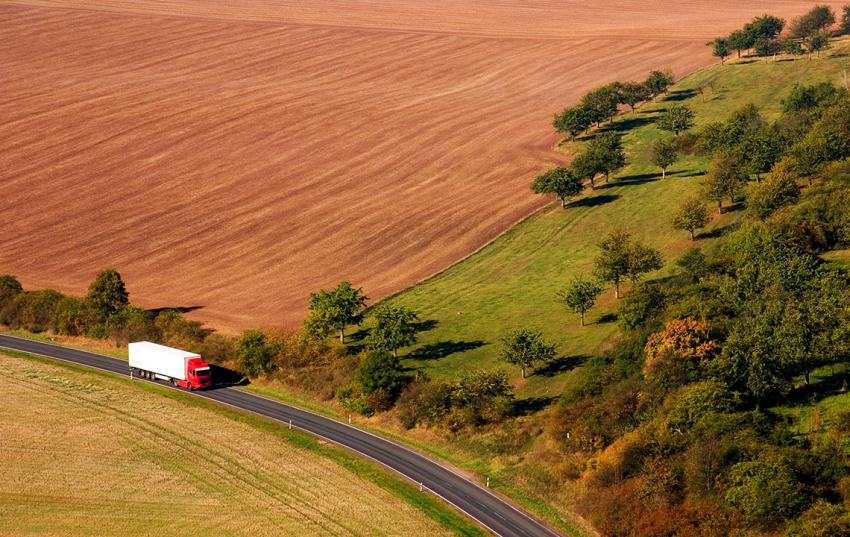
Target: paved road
[{"x": 474, "y": 500}]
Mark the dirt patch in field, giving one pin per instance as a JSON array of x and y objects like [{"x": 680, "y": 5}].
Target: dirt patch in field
[{"x": 237, "y": 158}]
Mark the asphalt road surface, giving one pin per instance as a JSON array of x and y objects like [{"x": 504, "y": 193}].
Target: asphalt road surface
[{"x": 476, "y": 501}]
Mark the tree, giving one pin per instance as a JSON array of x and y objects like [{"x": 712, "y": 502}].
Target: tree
[
  {"x": 816, "y": 43},
  {"x": 604, "y": 154},
  {"x": 395, "y": 327},
  {"x": 573, "y": 121},
  {"x": 792, "y": 47},
  {"x": 601, "y": 103},
  {"x": 778, "y": 190},
  {"x": 609, "y": 149},
  {"x": 335, "y": 309},
  {"x": 642, "y": 259},
  {"x": 724, "y": 179},
  {"x": 663, "y": 154},
  {"x": 380, "y": 372},
  {"x": 561, "y": 182},
  {"x": 821, "y": 520},
  {"x": 767, "y": 47},
  {"x": 816, "y": 21},
  {"x": 845, "y": 20},
  {"x": 107, "y": 293},
  {"x": 761, "y": 148},
  {"x": 526, "y": 348},
  {"x": 765, "y": 27},
  {"x": 682, "y": 348},
  {"x": 658, "y": 81},
  {"x": 579, "y": 296},
  {"x": 720, "y": 48},
  {"x": 691, "y": 216},
  {"x": 764, "y": 491},
  {"x": 676, "y": 119},
  {"x": 632, "y": 93},
  {"x": 255, "y": 353},
  {"x": 9, "y": 288},
  {"x": 641, "y": 304},
  {"x": 739, "y": 40},
  {"x": 612, "y": 263}
]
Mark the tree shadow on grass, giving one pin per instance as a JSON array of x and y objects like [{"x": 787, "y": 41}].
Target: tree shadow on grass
[
  {"x": 634, "y": 179},
  {"x": 178, "y": 309},
  {"x": 532, "y": 405},
  {"x": 435, "y": 351},
  {"x": 821, "y": 388},
  {"x": 606, "y": 318},
  {"x": 680, "y": 95},
  {"x": 562, "y": 364},
  {"x": 594, "y": 201},
  {"x": 718, "y": 232}
]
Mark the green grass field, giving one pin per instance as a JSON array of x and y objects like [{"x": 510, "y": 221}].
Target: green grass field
[
  {"x": 512, "y": 282},
  {"x": 87, "y": 453}
]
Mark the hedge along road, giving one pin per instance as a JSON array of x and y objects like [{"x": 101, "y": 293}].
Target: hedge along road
[{"x": 475, "y": 501}]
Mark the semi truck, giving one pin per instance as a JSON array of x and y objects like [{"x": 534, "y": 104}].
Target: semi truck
[{"x": 181, "y": 368}]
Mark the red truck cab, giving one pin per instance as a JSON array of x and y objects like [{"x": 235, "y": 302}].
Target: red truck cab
[{"x": 197, "y": 375}]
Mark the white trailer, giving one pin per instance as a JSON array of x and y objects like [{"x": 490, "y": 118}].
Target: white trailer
[{"x": 154, "y": 361}]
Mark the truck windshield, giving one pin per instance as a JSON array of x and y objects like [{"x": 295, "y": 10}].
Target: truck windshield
[{"x": 202, "y": 371}]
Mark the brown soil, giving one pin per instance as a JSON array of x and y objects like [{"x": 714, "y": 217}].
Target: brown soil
[{"x": 237, "y": 158}]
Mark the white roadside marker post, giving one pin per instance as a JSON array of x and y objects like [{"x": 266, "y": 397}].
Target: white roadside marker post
[
  {"x": 290, "y": 424},
  {"x": 349, "y": 419},
  {"x": 420, "y": 486},
  {"x": 488, "y": 482}
]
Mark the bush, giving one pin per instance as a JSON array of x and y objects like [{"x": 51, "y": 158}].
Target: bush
[
  {"x": 71, "y": 317},
  {"x": 10, "y": 287},
  {"x": 133, "y": 324},
  {"x": 380, "y": 372},
  {"x": 218, "y": 349},
  {"x": 764, "y": 491},
  {"x": 107, "y": 293},
  {"x": 176, "y": 330},
  {"x": 643, "y": 303},
  {"x": 255, "y": 353},
  {"x": 31, "y": 310},
  {"x": 822, "y": 520}
]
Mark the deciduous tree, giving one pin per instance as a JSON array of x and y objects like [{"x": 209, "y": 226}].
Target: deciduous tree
[
  {"x": 612, "y": 263},
  {"x": 676, "y": 119},
  {"x": 663, "y": 154},
  {"x": 632, "y": 93},
  {"x": 107, "y": 293},
  {"x": 725, "y": 178},
  {"x": 526, "y": 348},
  {"x": 562, "y": 182},
  {"x": 720, "y": 48},
  {"x": 642, "y": 259},
  {"x": 395, "y": 327},
  {"x": 335, "y": 309},
  {"x": 658, "y": 81},
  {"x": 573, "y": 121},
  {"x": 691, "y": 216},
  {"x": 579, "y": 296}
]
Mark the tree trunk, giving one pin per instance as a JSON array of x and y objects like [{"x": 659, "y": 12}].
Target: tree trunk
[
  {"x": 395, "y": 353},
  {"x": 522, "y": 371},
  {"x": 719, "y": 206},
  {"x": 563, "y": 203},
  {"x": 664, "y": 173},
  {"x": 692, "y": 235},
  {"x": 806, "y": 375},
  {"x": 342, "y": 335},
  {"x": 582, "y": 318},
  {"x": 617, "y": 290},
  {"x": 592, "y": 183}
]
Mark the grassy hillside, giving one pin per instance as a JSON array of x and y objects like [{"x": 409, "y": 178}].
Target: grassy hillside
[
  {"x": 512, "y": 282},
  {"x": 86, "y": 453}
]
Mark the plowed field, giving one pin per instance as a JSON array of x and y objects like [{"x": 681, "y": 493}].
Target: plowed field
[{"x": 237, "y": 155}]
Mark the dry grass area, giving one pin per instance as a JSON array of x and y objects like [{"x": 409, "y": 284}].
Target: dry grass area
[
  {"x": 237, "y": 155},
  {"x": 84, "y": 454}
]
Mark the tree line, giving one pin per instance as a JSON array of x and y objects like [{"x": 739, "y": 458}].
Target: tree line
[{"x": 808, "y": 34}]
